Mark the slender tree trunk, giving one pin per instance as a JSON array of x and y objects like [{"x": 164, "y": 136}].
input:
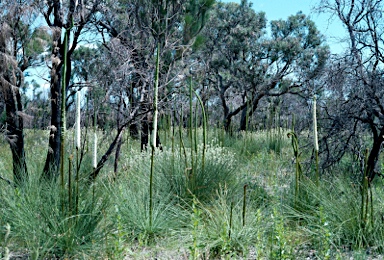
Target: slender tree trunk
[
  {"x": 105, "y": 157},
  {"x": 243, "y": 119},
  {"x": 118, "y": 147},
  {"x": 227, "y": 118},
  {"x": 244, "y": 116},
  {"x": 52, "y": 161},
  {"x": 374, "y": 155},
  {"x": 146, "y": 129},
  {"x": 117, "y": 156},
  {"x": 144, "y": 133},
  {"x": 134, "y": 130},
  {"x": 227, "y": 124}
]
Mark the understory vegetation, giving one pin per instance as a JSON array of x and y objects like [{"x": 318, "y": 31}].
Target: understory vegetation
[
  {"x": 240, "y": 199},
  {"x": 199, "y": 129}
]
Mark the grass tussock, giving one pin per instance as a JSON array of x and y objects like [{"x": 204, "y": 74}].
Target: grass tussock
[
  {"x": 34, "y": 212},
  {"x": 234, "y": 197}
]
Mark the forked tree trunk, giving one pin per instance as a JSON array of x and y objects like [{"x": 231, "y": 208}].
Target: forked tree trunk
[{"x": 248, "y": 111}]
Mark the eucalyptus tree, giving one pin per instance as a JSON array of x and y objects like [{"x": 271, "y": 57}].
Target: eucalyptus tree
[
  {"x": 245, "y": 63},
  {"x": 20, "y": 45},
  {"x": 67, "y": 21},
  {"x": 355, "y": 106}
]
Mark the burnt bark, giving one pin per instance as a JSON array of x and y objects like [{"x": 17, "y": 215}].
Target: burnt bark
[
  {"x": 134, "y": 130},
  {"x": 11, "y": 79},
  {"x": 54, "y": 16},
  {"x": 146, "y": 129},
  {"x": 246, "y": 110},
  {"x": 374, "y": 154},
  {"x": 144, "y": 133},
  {"x": 52, "y": 161},
  {"x": 14, "y": 130}
]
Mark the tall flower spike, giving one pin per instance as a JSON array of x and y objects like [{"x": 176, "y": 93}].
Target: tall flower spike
[
  {"x": 95, "y": 150},
  {"x": 78, "y": 132},
  {"x": 316, "y": 142}
]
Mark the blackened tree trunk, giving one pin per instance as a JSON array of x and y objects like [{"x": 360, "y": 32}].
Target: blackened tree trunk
[
  {"x": 374, "y": 154},
  {"x": 52, "y": 161},
  {"x": 11, "y": 78},
  {"x": 362, "y": 73},
  {"x": 75, "y": 18},
  {"x": 227, "y": 118},
  {"x": 248, "y": 111},
  {"x": 146, "y": 129},
  {"x": 14, "y": 127},
  {"x": 134, "y": 130},
  {"x": 144, "y": 133}
]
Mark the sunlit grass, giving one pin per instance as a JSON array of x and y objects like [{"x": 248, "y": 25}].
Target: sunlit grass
[{"x": 197, "y": 212}]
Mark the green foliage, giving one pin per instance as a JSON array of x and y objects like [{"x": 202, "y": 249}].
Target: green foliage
[
  {"x": 34, "y": 213},
  {"x": 298, "y": 38},
  {"x": 325, "y": 238},
  {"x": 195, "y": 18},
  {"x": 174, "y": 175},
  {"x": 280, "y": 246},
  {"x": 298, "y": 168},
  {"x": 85, "y": 63},
  {"x": 38, "y": 42},
  {"x": 4, "y": 251},
  {"x": 218, "y": 228},
  {"x": 247, "y": 64},
  {"x": 199, "y": 42},
  {"x": 330, "y": 212},
  {"x": 276, "y": 140},
  {"x": 195, "y": 219},
  {"x": 201, "y": 215},
  {"x": 250, "y": 144},
  {"x": 131, "y": 199}
]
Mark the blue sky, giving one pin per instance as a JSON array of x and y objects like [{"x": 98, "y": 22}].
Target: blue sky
[{"x": 329, "y": 26}]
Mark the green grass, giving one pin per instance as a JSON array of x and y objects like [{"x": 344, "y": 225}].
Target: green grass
[
  {"x": 197, "y": 211},
  {"x": 35, "y": 214},
  {"x": 330, "y": 213},
  {"x": 131, "y": 204}
]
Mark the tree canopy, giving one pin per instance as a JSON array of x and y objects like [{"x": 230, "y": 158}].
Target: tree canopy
[{"x": 241, "y": 65}]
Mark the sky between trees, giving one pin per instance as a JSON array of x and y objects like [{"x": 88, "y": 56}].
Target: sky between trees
[{"x": 281, "y": 9}]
